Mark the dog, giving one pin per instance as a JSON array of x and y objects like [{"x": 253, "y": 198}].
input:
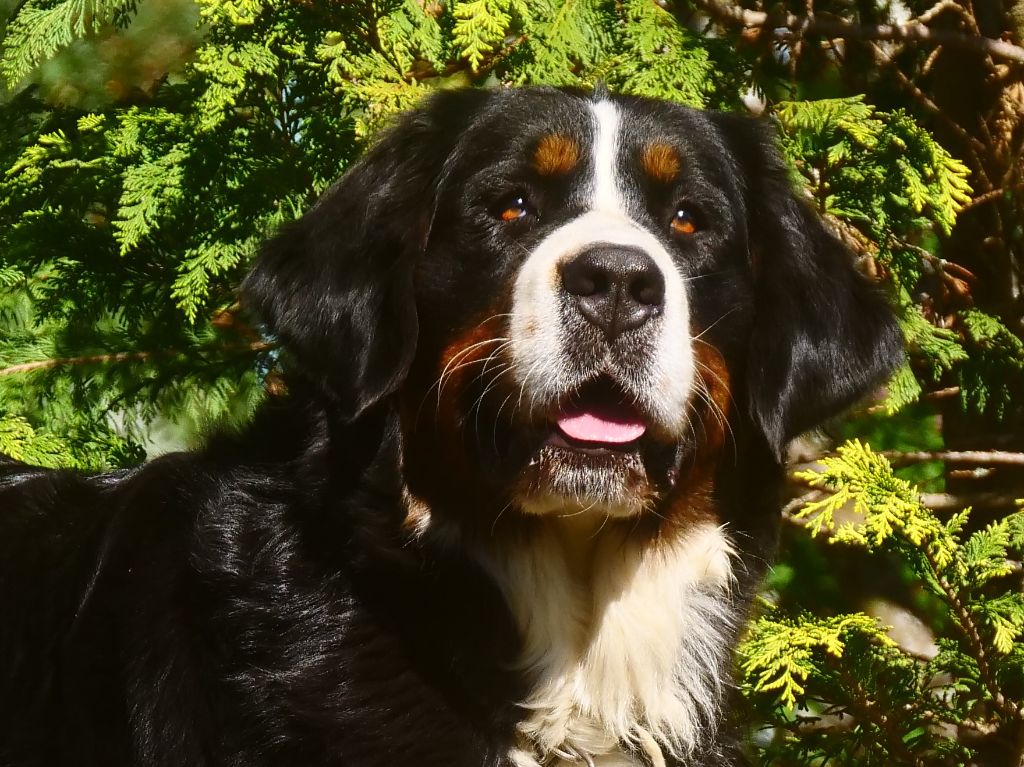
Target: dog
[{"x": 544, "y": 351}]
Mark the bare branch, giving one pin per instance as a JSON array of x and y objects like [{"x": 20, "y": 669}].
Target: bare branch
[
  {"x": 787, "y": 27},
  {"x": 949, "y": 502},
  {"x": 945, "y": 393},
  {"x": 974, "y": 457},
  {"x": 932, "y": 13},
  {"x": 974, "y": 145},
  {"x": 949, "y": 391},
  {"x": 995, "y": 194}
]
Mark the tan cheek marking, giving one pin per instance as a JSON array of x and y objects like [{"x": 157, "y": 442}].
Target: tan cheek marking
[
  {"x": 476, "y": 351},
  {"x": 661, "y": 162},
  {"x": 433, "y": 414},
  {"x": 693, "y": 497},
  {"x": 717, "y": 383},
  {"x": 556, "y": 155},
  {"x": 417, "y": 515}
]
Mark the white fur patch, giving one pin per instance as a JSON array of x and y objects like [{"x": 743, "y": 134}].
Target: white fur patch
[
  {"x": 627, "y": 640},
  {"x": 605, "y": 194},
  {"x": 538, "y": 339}
]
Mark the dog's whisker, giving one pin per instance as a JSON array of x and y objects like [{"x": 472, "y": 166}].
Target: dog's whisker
[
  {"x": 702, "y": 333},
  {"x": 450, "y": 373},
  {"x": 504, "y": 508},
  {"x": 454, "y": 361},
  {"x": 497, "y": 420},
  {"x": 478, "y": 404},
  {"x": 459, "y": 361}
]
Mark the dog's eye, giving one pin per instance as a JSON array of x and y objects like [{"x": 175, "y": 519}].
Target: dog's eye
[
  {"x": 684, "y": 221},
  {"x": 514, "y": 208}
]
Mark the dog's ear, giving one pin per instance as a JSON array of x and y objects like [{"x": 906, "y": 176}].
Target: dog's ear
[
  {"x": 336, "y": 286},
  {"x": 823, "y": 335}
]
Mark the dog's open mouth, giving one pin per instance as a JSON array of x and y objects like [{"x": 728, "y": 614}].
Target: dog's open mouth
[
  {"x": 599, "y": 417},
  {"x": 598, "y": 450}
]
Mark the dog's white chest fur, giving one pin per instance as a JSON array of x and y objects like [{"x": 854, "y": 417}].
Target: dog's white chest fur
[{"x": 626, "y": 640}]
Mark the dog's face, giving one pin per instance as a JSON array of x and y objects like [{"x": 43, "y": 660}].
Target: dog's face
[
  {"x": 573, "y": 297},
  {"x": 557, "y": 297}
]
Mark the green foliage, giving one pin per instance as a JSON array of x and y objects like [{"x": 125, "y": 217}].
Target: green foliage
[
  {"x": 42, "y": 28},
  {"x": 480, "y": 28},
  {"x": 993, "y": 375},
  {"x": 886, "y": 506},
  {"x": 895, "y": 705},
  {"x": 567, "y": 43},
  {"x": 879, "y": 170},
  {"x": 21, "y": 442},
  {"x": 90, "y": 450},
  {"x": 663, "y": 59}
]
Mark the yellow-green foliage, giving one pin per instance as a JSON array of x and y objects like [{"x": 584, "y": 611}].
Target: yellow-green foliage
[
  {"x": 780, "y": 654},
  {"x": 845, "y": 665},
  {"x": 885, "y": 511},
  {"x": 884, "y": 506},
  {"x": 21, "y": 442}
]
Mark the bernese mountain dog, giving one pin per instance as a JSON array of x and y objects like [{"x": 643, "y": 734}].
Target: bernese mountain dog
[{"x": 544, "y": 352}]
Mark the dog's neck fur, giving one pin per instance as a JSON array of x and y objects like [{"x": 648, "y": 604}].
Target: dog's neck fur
[{"x": 624, "y": 635}]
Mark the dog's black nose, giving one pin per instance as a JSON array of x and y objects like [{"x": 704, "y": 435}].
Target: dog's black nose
[{"x": 617, "y": 288}]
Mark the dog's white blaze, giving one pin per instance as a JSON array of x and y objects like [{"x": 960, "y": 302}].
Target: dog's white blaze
[
  {"x": 538, "y": 338},
  {"x": 626, "y": 640},
  {"x": 628, "y": 649},
  {"x": 605, "y": 194}
]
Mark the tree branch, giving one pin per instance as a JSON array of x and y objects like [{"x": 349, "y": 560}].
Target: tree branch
[
  {"x": 932, "y": 13},
  {"x": 968, "y": 457},
  {"x": 978, "y": 457},
  {"x": 995, "y": 194},
  {"x": 1010, "y": 709},
  {"x": 949, "y": 502},
  {"x": 787, "y": 27},
  {"x": 866, "y": 708},
  {"x": 974, "y": 145},
  {"x": 945, "y": 393},
  {"x": 140, "y": 356}
]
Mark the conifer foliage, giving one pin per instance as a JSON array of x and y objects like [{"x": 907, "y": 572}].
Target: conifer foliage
[
  {"x": 844, "y": 670},
  {"x": 125, "y": 227}
]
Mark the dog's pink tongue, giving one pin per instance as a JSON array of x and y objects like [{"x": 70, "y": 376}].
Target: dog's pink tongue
[{"x": 601, "y": 423}]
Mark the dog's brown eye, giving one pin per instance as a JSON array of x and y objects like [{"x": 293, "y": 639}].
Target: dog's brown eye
[
  {"x": 515, "y": 209},
  {"x": 684, "y": 221}
]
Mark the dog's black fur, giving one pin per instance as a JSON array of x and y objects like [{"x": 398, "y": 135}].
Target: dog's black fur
[{"x": 259, "y": 601}]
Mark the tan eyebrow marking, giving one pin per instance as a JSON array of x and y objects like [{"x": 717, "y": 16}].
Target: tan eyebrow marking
[
  {"x": 661, "y": 161},
  {"x": 556, "y": 155}
]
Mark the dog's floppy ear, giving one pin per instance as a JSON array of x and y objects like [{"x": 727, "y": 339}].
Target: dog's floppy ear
[
  {"x": 823, "y": 335},
  {"x": 336, "y": 286}
]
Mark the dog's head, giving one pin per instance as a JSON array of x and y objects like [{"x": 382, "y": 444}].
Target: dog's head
[{"x": 567, "y": 295}]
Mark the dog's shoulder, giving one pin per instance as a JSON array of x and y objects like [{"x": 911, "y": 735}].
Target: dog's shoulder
[{"x": 257, "y": 594}]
